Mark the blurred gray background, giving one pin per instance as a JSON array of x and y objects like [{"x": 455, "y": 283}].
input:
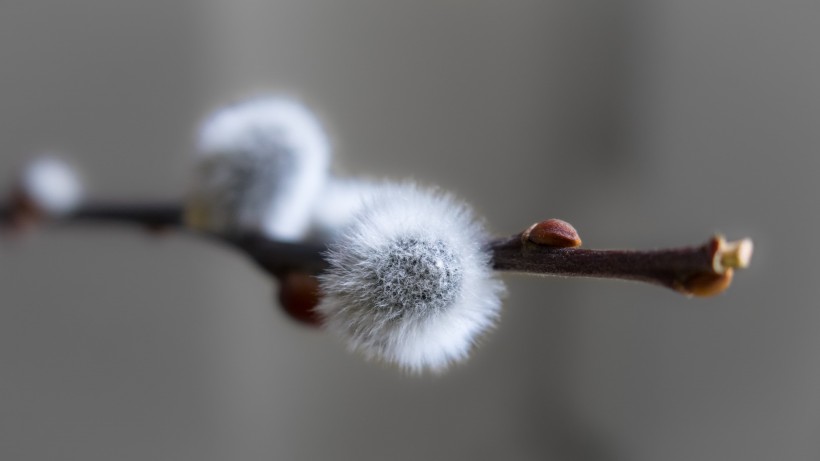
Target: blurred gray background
[{"x": 642, "y": 123}]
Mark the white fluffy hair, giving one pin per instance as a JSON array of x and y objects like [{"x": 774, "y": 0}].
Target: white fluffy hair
[
  {"x": 409, "y": 281},
  {"x": 342, "y": 200},
  {"x": 262, "y": 165},
  {"x": 52, "y": 184}
]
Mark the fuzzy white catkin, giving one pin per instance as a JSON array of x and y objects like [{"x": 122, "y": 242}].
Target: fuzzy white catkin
[
  {"x": 262, "y": 165},
  {"x": 409, "y": 282},
  {"x": 52, "y": 185}
]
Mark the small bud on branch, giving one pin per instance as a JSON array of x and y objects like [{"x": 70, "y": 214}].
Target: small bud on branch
[{"x": 552, "y": 233}]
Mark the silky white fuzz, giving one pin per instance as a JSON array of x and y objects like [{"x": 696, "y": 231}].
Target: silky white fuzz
[
  {"x": 52, "y": 185},
  {"x": 409, "y": 282},
  {"x": 263, "y": 164},
  {"x": 341, "y": 200}
]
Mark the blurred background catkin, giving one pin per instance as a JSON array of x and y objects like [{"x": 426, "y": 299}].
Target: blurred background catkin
[{"x": 642, "y": 123}]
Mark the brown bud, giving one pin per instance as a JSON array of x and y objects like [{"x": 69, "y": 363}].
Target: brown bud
[
  {"x": 554, "y": 233},
  {"x": 706, "y": 283},
  {"x": 23, "y": 213},
  {"x": 299, "y": 295}
]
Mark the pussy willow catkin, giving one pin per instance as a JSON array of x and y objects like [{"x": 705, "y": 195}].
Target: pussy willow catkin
[
  {"x": 409, "y": 282},
  {"x": 261, "y": 167}
]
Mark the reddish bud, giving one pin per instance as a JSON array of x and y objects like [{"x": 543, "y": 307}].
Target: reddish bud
[
  {"x": 554, "y": 233},
  {"x": 706, "y": 283},
  {"x": 299, "y": 295},
  {"x": 23, "y": 213}
]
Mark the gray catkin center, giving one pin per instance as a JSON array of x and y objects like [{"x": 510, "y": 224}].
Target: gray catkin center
[{"x": 416, "y": 277}]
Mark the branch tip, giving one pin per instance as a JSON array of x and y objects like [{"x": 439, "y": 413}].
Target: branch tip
[{"x": 731, "y": 255}]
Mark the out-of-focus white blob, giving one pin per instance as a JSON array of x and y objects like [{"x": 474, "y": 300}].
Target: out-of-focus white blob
[
  {"x": 52, "y": 185},
  {"x": 409, "y": 281},
  {"x": 261, "y": 166},
  {"x": 340, "y": 202}
]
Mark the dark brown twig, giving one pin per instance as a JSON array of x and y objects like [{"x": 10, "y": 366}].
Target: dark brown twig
[
  {"x": 148, "y": 215},
  {"x": 546, "y": 248},
  {"x": 702, "y": 270}
]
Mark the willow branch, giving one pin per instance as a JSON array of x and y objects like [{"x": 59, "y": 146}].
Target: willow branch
[
  {"x": 145, "y": 214},
  {"x": 699, "y": 270},
  {"x": 546, "y": 248},
  {"x": 280, "y": 258}
]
